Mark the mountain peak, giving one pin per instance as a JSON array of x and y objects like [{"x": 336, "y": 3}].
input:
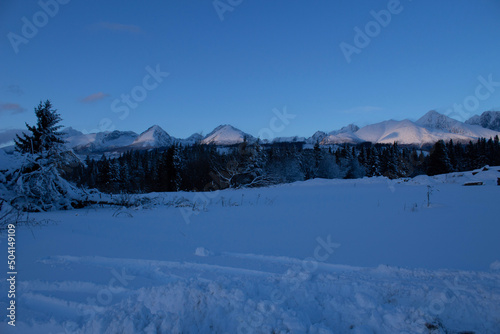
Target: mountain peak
[
  {"x": 154, "y": 128},
  {"x": 349, "y": 128},
  {"x": 226, "y": 135},
  {"x": 432, "y": 113},
  {"x": 488, "y": 119},
  {"x": 226, "y": 127},
  {"x": 69, "y": 132},
  {"x": 435, "y": 120},
  {"x": 154, "y": 136},
  {"x": 432, "y": 118}
]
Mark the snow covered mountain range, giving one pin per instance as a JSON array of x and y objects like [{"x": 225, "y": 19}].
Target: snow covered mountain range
[
  {"x": 430, "y": 128},
  {"x": 488, "y": 119}
]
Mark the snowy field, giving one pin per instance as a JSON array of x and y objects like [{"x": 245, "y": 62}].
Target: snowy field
[{"x": 321, "y": 256}]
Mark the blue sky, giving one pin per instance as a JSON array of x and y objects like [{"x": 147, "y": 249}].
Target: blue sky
[{"x": 261, "y": 56}]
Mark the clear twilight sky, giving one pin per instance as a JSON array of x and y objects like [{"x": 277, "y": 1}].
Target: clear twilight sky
[{"x": 235, "y": 61}]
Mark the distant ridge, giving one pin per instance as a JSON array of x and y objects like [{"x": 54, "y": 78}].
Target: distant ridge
[{"x": 430, "y": 128}]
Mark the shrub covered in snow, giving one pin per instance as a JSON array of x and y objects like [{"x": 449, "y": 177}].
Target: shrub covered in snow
[
  {"x": 38, "y": 186},
  {"x": 32, "y": 182}
]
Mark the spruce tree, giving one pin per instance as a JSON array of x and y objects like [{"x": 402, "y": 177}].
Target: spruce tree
[
  {"x": 171, "y": 170},
  {"x": 374, "y": 163},
  {"x": 439, "y": 162},
  {"x": 37, "y": 184},
  {"x": 44, "y": 135}
]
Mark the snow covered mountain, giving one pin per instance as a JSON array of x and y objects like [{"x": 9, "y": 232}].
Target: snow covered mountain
[
  {"x": 488, "y": 119},
  {"x": 344, "y": 135},
  {"x": 116, "y": 138},
  {"x": 226, "y": 135},
  {"x": 430, "y": 128},
  {"x": 100, "y": 141},
  {"x": 293, "y": 139},
  {"x": 195, "y": 138},
  {"x": 155, "y": 136},
  {"x": 435, "y": 120},
  {"x": 317, "y": 137},
  {"x": 75, "y": 138},
  {"x": 404, "y": 132}
]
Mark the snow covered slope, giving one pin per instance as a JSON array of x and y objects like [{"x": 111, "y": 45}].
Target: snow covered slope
[
  {"x": 317, "y": 137},
  {"x": 347, "y": 134},
  {"x": 320, "y": 256},
  {"x": 430, "y": 128},
  {"x": 437, "y": 121},
  {"x": 404, "y": 132},
  {"x": 410, "y": 133},
  {"x": 75, "y": 138},
  {"x": 155, "y": 136},
  {"x": 226, "y": 135},
  {"x": 293, "y": 139},
  {"x": 114, "y": 139},
  {"x": 488, "y": 119},
  {"x": 100, "y": 141},
  {"x": 195, "y": 138}
]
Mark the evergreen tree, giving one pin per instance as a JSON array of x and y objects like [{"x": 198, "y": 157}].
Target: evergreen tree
[
  {"x": 328, "y": 167},
  {"x": 103, "y": 170},
  {"x": 496, "y": 151},
  {"x": 374, "y": 163},
  {"x": 114, "y": 176},
  {"x": 318, "y": 156},
  {"x": 439, "y": 162},
  {"x": 44, "y": 135},
  {"x": 450, "y": 148},
  {"x": 38, "y": 185},
  {"x": 178, "y": 163},
  {"x": 171, "y": 170},
  {"x": 389, "y": 163}
]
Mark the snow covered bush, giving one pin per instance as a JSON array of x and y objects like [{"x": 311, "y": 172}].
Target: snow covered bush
[
  {"x": 33, "y": 182},
  {"x": 38, "y": 186}
]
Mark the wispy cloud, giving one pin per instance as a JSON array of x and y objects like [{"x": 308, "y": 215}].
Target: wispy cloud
[
  {"x": 118, "y": 27},
  {"x": 94, "y": 97},
  {"x": 14, "y": 89},
  {"x": 13, "y": 108},
  {"x": 362, "y": 110},
  {"x": 7, "y": 136}
]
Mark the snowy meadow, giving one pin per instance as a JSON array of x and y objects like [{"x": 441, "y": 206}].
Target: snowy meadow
[{"x": 368, "y": 255}]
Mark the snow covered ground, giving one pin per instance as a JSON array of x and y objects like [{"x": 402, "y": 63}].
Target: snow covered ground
[{"x": 321, "y": 256}]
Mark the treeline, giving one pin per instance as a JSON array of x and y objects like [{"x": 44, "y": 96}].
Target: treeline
[
  {"x": 202, "y": 167},
  {"x": 450, "y": 157}
]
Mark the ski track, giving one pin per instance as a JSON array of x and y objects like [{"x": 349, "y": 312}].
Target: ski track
[{"x": 385, "y": 298}]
